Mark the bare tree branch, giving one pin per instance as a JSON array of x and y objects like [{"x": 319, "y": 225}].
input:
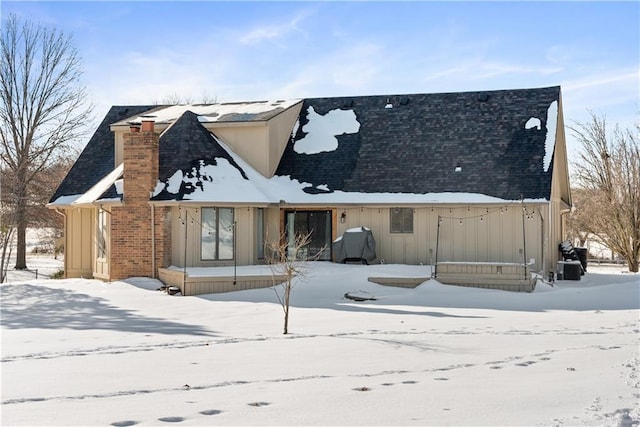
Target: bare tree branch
[
  {"x": 608, "y": 173},
  {"x": 42, "y": 110},
  {"x": 289, "y": 259}
]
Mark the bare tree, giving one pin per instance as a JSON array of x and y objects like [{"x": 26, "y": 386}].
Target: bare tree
[
  {"x": 576, "y": 230},
  {"x": 289, "y": 259},
  {"x": 175, "y": 99},
  {"x": 6, "y": 240},
  {"x": 42, "y": 109},
  {"x": 608, "y": 172}
]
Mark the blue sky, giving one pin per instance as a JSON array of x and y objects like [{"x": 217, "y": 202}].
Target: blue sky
[{"x": 138, "y": 52}]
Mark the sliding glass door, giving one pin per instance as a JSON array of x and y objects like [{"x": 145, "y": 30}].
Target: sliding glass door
[{"x": 315, "y": 223}]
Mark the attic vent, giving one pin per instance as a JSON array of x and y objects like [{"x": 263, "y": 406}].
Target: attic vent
[
  {"x": 483, "y": 97},
  {"x": 389, "y": 104},
  {"x": 458, "y": 168},
  {"x": 122, "y": 111},
  {"x": 348, "y": 103},
  {"x": 404, "y": 100}
]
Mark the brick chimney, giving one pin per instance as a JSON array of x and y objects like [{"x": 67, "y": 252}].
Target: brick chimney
[{"x": 131, "y": 231}]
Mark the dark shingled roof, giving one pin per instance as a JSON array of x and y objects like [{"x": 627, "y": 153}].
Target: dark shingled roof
[
  {"x": 416, "y": 146},
  {"x": 413, "y": 147},
  {"x": 98, "y": 157},
  {"x": 186, "y": 146}
]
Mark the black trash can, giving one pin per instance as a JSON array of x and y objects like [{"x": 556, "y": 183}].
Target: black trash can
[
  {"x": 572, "y": 270},
  {"x": 582, "y": 256}
]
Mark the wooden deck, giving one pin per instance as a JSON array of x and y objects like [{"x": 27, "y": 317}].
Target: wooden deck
[
  {"x": 490, "y": 275},
  {"x": 196, "y": 281}
]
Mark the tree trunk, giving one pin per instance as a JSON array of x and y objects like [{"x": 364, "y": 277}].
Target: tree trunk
[
  {"x": 21, "y": 228},
  {"x": 287, "y": 295}
]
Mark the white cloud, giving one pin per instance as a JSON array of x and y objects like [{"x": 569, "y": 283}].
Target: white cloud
[
  {"x": 274, "y": 32},
  {"x": 614, "y": 92}
]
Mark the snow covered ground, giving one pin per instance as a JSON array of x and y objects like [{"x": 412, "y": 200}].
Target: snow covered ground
[{"x": 83, "y": 352}]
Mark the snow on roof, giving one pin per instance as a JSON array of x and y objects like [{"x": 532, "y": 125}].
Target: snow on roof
[
  {"x": 321, "y": 130},
  {"x": 94, "y": 192},
  {"x": 533, "y": 122},
  {"x": 207, "y": 113},
  {"x": 221, "y": 183},
  {"x": 549, "y": 144},
  {"x": 224, "y": 183},
  {"x": 65, "y": 200}
]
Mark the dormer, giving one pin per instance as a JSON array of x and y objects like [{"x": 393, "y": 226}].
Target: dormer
[{"x": 256, "y": 131}]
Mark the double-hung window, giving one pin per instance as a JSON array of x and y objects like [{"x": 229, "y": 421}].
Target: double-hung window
[{"x": 217, "y": 237}]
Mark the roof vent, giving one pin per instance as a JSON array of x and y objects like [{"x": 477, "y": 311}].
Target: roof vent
[
  {"x": 404, "y": 100},
  {"x": 483, "y": 97},
  {"x": 389, "y": 104},
  {"x": 458, "y": 168}
]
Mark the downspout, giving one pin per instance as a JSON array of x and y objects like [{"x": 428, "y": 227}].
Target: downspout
[
  {"x": 563, "y": 212},
  {"x": 153, "y": 241},
  {"x": 542, "y": 242},
  {"x": 64, "y": 215},
  {"x": 524, "y": 240},
  {"x": 235, "y": 255},
  {"x": 435, "y": 266}
]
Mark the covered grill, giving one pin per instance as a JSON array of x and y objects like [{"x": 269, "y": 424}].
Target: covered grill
[{"x": 356, "y": 244}]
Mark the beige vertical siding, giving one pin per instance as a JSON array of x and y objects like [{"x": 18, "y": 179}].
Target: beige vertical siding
[
  {"x": 79, "y": 245},
  {"x": 491, "y": 233},
  {"x": 466, "y": 234},
  {"x": 249, "y": 141},
  {"x": 279, "y": 132},
  {"x": 259, "y": 143},
  {"x": 189, "y": 218}
]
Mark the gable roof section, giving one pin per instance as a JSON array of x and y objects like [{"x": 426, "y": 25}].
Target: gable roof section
[
  {"x": 186, "y": 151},
  {"x": 98, "y": 157},
  {"x": 415, "y": 144}
]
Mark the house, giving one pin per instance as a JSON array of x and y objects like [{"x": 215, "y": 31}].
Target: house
[{"x": 474, "y": 183}]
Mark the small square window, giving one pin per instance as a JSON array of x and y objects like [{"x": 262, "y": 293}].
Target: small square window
[{"x": 401, "y": 220}]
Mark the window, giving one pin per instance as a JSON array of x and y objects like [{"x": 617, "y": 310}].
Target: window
[
  {"x": 402, "y": 220},
  {"x": 217, "y": 234},
  {"x": 101, "y": 234}
]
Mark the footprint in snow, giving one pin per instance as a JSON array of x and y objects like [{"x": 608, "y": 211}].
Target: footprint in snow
[
  {"x": 126, "y": 423},
  {"x": 409, "y": 382},
  {"x": 171, "y": 419},
  {"x": 259, "y": 404},
  {"x": 210, "y": 412}
]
